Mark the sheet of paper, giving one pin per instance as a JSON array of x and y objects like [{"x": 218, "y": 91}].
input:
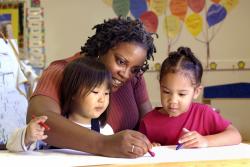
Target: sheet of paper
[
  {"x": 13, "y": 103},
  {"x": 65, "y": 157}
]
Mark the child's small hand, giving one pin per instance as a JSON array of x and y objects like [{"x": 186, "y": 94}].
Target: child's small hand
[
  {"x": 156, "y": 144},
  {"x": 193, "y": 139},
  {"x": 34, "y": 131}
]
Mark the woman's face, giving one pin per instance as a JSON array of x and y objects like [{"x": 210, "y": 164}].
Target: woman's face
[{"x": 124, "y": 61}]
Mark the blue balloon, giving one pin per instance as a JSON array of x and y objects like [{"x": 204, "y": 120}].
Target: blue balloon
[
  {"x": 216, "y": 13},
  {"x": 137, "y": 7}
]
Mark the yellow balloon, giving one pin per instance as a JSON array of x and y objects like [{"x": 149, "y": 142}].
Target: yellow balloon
[
  {"x": 158, "y": 6},
  {"x": 108, "y": 2},
  {"x": 172, "y": 26},
  {"x": 229, "y": 4},
  {"x": 194, "y": 24}
]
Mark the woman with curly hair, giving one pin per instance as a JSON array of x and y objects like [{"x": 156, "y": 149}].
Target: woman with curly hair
[{"x": 125, "y": 47}]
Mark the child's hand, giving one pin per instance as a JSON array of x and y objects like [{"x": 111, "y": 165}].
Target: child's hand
[
  {"x": 156, "y": 144},
  {"x": 34, "y": 131},
  {"x": 193, "y": 139}
]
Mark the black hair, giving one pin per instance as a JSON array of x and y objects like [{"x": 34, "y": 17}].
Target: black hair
[
  {"x": 118, "y": 30},
  {"x": 80, "y": 77},
  {"x": 182, "y": 60}
]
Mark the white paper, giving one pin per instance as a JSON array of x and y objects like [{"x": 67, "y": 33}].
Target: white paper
[
  {"x": 65, "y": 157},
  {"x": 13, "y": 103}
]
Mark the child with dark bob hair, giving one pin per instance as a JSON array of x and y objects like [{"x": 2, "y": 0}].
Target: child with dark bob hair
[{"x": 85, "y": 95}]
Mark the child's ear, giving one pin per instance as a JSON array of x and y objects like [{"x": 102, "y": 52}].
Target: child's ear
[{"x": 197, "y": 91}]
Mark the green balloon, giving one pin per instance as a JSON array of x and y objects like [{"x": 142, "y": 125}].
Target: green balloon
[{"x": 121, "y": 7}]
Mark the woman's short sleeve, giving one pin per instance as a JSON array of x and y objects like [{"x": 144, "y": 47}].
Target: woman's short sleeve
[{"x": 49, "y": 83}]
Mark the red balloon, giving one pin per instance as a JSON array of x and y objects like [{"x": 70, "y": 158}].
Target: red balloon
[
  {"x": 150, "y": 20},
  {"x": 196, "y": 5}
]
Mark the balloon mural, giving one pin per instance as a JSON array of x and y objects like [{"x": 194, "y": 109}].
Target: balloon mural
[{"x": 202, "y": 18}]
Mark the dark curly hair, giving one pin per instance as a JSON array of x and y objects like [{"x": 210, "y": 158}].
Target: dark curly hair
[
  {"x": 117, "y": 30},
  {"x": 182, "y": 60}
]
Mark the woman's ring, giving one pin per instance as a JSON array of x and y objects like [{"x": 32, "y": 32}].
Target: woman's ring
[{"x": 132, "y": 148}]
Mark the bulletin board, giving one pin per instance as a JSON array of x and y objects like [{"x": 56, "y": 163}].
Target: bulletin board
[
  {"x": 15, "y": 12},
  {"x": 14, "y": 19},
  {"x": 25, "y": 26}
]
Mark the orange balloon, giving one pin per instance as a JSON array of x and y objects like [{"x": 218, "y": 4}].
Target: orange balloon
[
  {"x": 179, "y": 8},
  {"x": 216, "y": 1},
  {"x": 229, "y": 4},
  {"x": 108, "y": 2}
]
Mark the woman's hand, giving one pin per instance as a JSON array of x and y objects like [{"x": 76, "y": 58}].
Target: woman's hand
[{"x": 127, "y": 143}]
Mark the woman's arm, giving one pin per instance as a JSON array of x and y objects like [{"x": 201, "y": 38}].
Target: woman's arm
[{"x": 65, "y": 134}]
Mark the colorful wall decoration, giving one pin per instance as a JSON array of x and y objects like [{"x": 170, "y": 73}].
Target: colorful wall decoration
[
  {"x": 24, "y": 20},
  {"x": 11, "y": 20},
  {"x": 35, "y": 36},
  {"x": 202, "y": 18}
]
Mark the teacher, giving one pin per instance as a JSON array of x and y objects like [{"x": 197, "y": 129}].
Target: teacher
[{"x": 125, "y": 47}]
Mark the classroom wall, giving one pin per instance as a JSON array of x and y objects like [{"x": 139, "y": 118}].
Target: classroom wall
[{"x": 68, "y": 25}]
